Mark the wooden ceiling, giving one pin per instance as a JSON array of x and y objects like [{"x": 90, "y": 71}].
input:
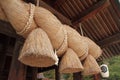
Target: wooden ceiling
[{"x": 100, "y": 20}]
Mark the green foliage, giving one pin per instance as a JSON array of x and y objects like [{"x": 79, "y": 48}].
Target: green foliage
[
  {"x": 67, "y": 76},
  {"x": 87, "y": 78},
  {"x": 50, "y": 74},
  {"x": 114, "y": 68}
]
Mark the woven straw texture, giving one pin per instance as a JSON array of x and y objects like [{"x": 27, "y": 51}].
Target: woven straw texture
[
  {"x": 64, "y": 45},
  {"x": 2, "y": 15},
  {"x": 52, "y": 26},
  {"x": 83, "y": 56},
  {"x": 76, "y": 42},
  {"x": 70, "y": 62},
  {"x": 18, "y": 15},
  {"x": 93, "y": 48},
  {"x": 90, "y": 66},
  {"x": 37, "y": 50}
]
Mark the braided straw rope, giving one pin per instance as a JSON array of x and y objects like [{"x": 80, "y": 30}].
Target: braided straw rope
[
  {"x": 28, "y": 24},
  {"x": 63, "y": 46}
]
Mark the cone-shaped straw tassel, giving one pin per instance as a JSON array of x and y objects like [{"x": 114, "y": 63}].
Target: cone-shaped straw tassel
[
  {"x": 20, "y": 15},
  {"x": 93, "y": 48},
  {"x": 70, "y": 62},
  {"x": 90, "y": 66},
  {"x": 76, "y": 42},
  {"x": 37, "y": 50},
  {"x": 53, "y": 27}
]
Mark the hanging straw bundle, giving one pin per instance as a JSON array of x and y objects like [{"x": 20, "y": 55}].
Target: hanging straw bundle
[
  {"x": 94, "y": 49},
  {"x": 19, "y": 16},
  {"x": 90, "y": 66},
  {"x": 53, "y": 27},
  {"x": 76, "y": 42},
  {"x": 70, "y": 62},
  {"x": 37, "y": 50}
]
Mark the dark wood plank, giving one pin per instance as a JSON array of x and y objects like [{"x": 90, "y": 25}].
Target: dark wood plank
[
  {"x": 110, "y": 40},
  {"x": 17, "y": 70},
  {"x": 59, "y": 2},
  {"x": 91, "y": 11},
  {"x": 3, "y": 56},
  {"x": 77, "y": 76},
  {"x": 34, "y": 73},
  {"x": 116, "y": 6},
  {"x": 114, "y": 16}
]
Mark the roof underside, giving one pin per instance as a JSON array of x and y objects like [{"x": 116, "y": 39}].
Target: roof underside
[{"x": 100, "y": 20}]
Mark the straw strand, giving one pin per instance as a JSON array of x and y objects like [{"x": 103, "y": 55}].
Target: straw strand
[{"x": 61, "y": 48}]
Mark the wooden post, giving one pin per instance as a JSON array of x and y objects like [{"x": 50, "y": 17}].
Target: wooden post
[
  {"x": 57, "y": 74},
  {"x": 3, "y": 56},
  {"x": 17, "y": 70},
  {"x": 34, "y": 73},
  {"x": 97, "y": 77},
  {"x": 77, "y": 76}
]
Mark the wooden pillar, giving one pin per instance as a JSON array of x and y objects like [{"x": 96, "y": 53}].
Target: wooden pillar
[
  {"x": 3, "y": 56},
  {"x": 97, "y": 77},
  {"x": 17, "y": 70},
  {"x": 34, "y": 73},
  {"x": 77, "y": 76},
  {"x": 57, "y": 74}
]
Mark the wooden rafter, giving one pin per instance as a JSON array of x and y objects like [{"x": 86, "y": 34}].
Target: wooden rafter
[
  {"x": 116, "y": 6},
  {"x": 110, "y": 40},
  {"x": 91, "y": 11},
  {"x": 59, "y": 2}
]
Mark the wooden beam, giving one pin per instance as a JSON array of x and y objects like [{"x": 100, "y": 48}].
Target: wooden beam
[
  {"x": 7, "y": 29},
  {"x": 110, "y": 40},
  {"x": 34, "y": 73},
  {"x": 91, "y": 11},
  {"x": 59, "y": 2},
  {"x": 116, "y": 6},
  {"x": 62, "y": 18},
  {"x": 17, "y": 70}
]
